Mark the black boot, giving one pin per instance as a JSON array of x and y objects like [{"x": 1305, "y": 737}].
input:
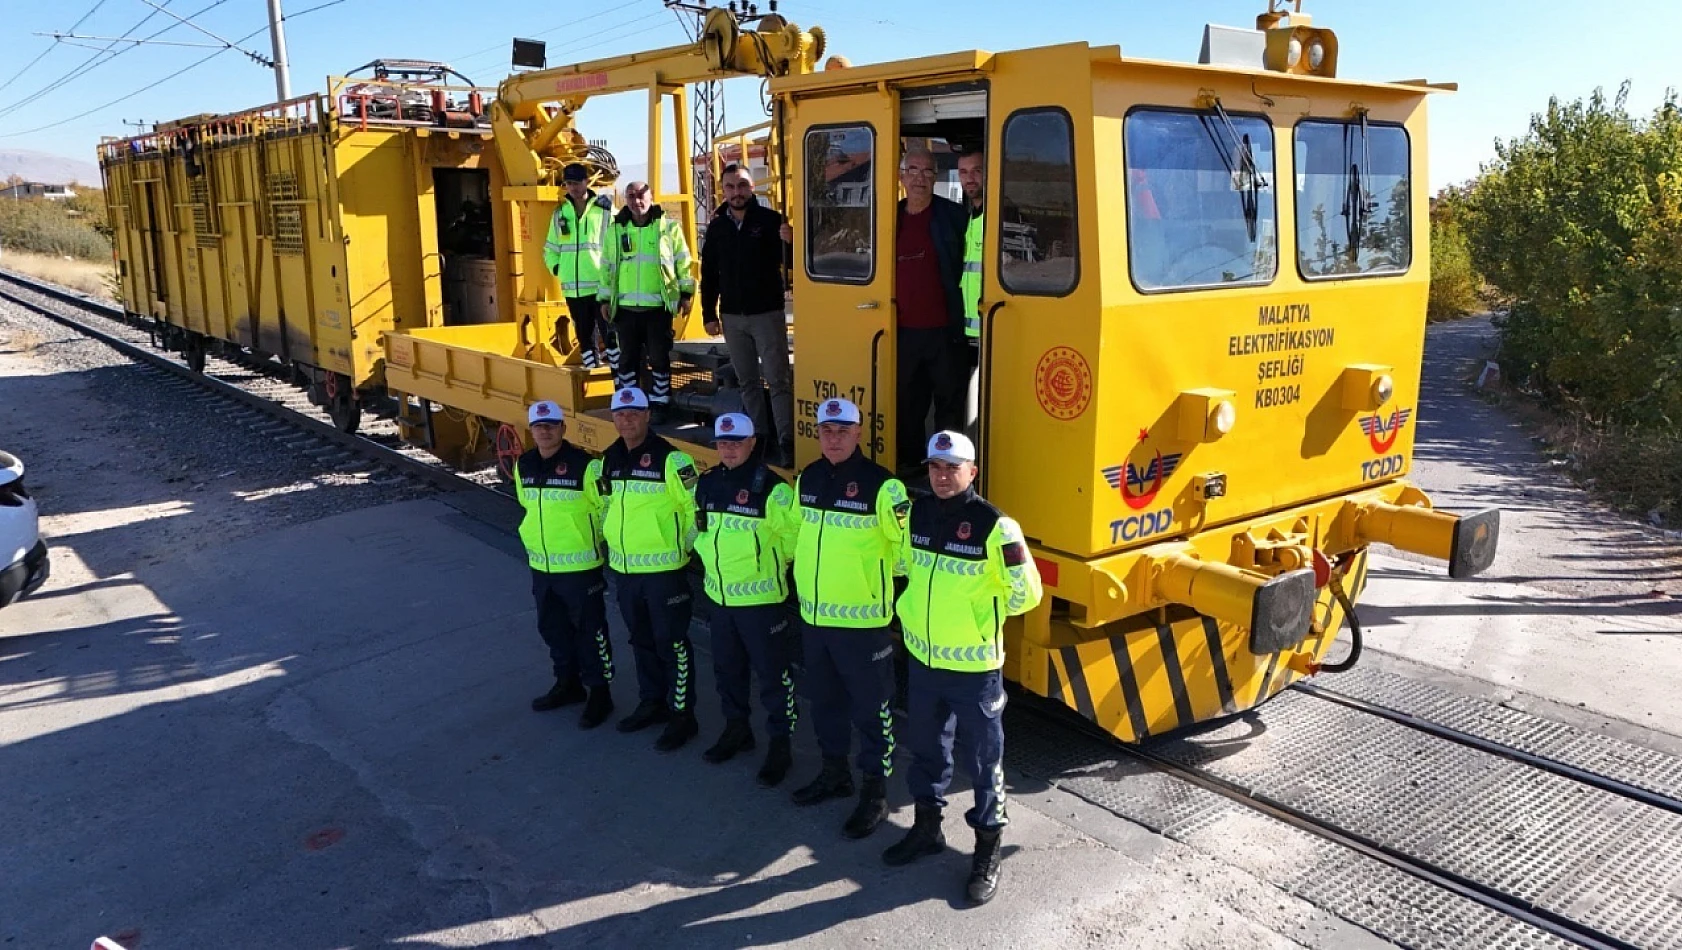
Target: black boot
[
  {"x": 563, "y": 693},
  {"x": 872, "y": 808},
  {"x": 924, "y": 838},
  {"x": 679, "y": 730},
  {"x": 598, "y": 708},
  {"x": 835, "y": 781},
  {"x": 777, "y": 761},
  {"x": 647, "y": 713},
  {"x": 984, "y": 872},
  {"x": 737, "y": 737}
]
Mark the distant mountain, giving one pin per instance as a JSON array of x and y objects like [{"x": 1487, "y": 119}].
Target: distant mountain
[{"x": 45, "y": 168}]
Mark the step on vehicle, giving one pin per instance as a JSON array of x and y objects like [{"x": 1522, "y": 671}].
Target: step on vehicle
[{"x": 22, "y": 551}]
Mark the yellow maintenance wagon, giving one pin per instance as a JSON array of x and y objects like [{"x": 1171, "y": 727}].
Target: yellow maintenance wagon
[
  {"x": 304, "y": 230},
  {"x": 1203, "y": 310}
]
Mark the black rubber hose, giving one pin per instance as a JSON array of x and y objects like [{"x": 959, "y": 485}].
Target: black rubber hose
[{"x": 1348, "y": 662}]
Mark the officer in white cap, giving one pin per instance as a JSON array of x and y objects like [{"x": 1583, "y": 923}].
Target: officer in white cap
[
  {"x": 557, "y": 484},
  {"x": 852, "y": 519},
  {"x": 648, "y": 485},
  {"x": 969, "y": 569},
  {"x": 746, "y": 524}
]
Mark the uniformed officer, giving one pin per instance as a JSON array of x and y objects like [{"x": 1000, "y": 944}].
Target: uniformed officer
[
  {"x": 648, "y": 278},
  {"x": 968, "y": 569},
  {"x": 562, "y": 532},
  {"x": 747, "y": 523},
  {"x": 573, "y": 253},
  {"x": 852, "y": 514},
  {"x": 648, "y": 526}
]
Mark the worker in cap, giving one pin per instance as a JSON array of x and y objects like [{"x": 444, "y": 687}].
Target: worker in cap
[
  {"x": 648, "y": 279},
  {"x": 968, "y": 569},
  {"x": 746, "y": 524},
  {"x": 573, "y": 254},
  {"x": 852, "y": 521},
  {"x": 650, "y": 515},
  {"x": 558, "y": 486}
]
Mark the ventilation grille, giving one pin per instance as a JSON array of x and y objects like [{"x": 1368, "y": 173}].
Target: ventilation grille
[
  {"x": 204, "y": 228},
  {"x": 286, "y": 213}
]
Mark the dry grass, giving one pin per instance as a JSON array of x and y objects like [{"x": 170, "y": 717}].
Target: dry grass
[
  {"x": 90, "y": 277},
  {"x": 1637, "y": 471}
]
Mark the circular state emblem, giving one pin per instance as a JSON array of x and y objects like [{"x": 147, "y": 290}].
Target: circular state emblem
[
  {"x": 942, "y": 442},
  {"x": 852, "y": 489},
  {"x": 963, "y": 531},
  {"x": 1063, "y": 383},
  {"x": 833, "y": 409},
  {"x": 647, "y": 460},
  {"x": 742, "y": 497},
  {"x": 561, "y": 469},
  {"x": 625, "y": 395},
  {"x": 727, "y": 424},
  {"x": 542, "y": 408}
]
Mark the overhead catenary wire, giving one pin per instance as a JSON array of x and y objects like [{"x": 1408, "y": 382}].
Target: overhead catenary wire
[
  {"x": 156, "y": 83},
  {"x": 570, "y": 24},
  {"x": 51, "y": 46}
]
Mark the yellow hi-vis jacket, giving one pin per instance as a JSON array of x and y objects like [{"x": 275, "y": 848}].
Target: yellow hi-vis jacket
[
  {"x": 970, "y": 281},
  {"x": 573, "y": 250},
  {"x": 968, "y": 569},
  {"x": 852, "y": 520},
  {"x": 649, "y": 526},
  {"x": 646, "y": 265},
  {"x": 562, "y": 527}
]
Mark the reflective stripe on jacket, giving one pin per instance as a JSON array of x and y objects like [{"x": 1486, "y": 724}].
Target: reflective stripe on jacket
[
  {"x": 646, "y": 265},
  {"x": 852, "y": 520},
  {"x": 968, "y": 568},
  {"x": 650, "y": 511},
  {"x": 746, "y": 523},
  {"x": 573, "y": 250},
  {"x": 970, "y": 282},
  {"x": 562, "y": 527}
]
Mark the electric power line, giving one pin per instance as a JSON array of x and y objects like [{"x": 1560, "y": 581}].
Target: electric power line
[
  {"x": 501, "y": 47},
  {"x": 43, "y": 54},
  {"x": 83, "y": 68},
  {"x": 153, "y": 85}
]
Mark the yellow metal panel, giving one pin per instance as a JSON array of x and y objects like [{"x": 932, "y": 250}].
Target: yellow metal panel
[{"x": 831, "y": 80}]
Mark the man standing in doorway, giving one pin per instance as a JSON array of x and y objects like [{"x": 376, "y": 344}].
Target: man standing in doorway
[
  {"x": 647, "y": 280},
  {"x": 573, "y": 253},
  {"x": 742, "y": 261},
  {"x": 972, "y": 177},
  {"x": 929, "y": 307}
]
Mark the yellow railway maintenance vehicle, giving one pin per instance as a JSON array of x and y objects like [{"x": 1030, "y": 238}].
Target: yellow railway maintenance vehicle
[
  {"x": 305, "y": 230},
  {"x": 1204, "y": 312}
]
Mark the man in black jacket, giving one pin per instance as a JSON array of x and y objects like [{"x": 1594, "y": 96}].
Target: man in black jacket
[
  {"x": 743, "y": 256},
  {"x": 934, "y": 357}
]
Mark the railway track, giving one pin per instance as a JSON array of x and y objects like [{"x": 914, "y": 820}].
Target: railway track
[
  {"x": 261, "y": 397},
  {"x": 1482, "y": 826}
]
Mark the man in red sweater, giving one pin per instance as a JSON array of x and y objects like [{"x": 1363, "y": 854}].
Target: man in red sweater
[{"x": 928, "y": 306}]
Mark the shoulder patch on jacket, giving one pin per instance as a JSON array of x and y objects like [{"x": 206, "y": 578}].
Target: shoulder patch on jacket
[
  {"x": 688, "y": 475},
  {"x": 1015, "y": 549}
]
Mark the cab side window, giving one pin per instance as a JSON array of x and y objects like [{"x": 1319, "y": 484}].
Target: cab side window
[
  {"x": 840, "y": 204},
  {"x": 1039, "y": 252},
  {"x": 1354, "y": 199},
  {"x": 1200, "y": 200}
]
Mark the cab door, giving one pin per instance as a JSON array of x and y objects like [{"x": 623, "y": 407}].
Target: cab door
[
  {"x": 1040, "y": 298},
  {"x": 844, "y": 177}
]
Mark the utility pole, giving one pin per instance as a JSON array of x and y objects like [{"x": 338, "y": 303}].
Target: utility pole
[
  {"x": 277, "y": 39},
  {"x": 707, "y": 115}
]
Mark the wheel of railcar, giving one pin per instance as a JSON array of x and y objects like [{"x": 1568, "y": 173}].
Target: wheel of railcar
[
  {"x": 342, "y": 404},
  {"x": 509, "y": 446}
]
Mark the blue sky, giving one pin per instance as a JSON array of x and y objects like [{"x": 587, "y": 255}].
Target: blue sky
[{"x": 1507, "y": 62}]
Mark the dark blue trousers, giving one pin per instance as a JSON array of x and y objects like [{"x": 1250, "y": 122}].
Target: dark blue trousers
[
  {"x": 572, "y": 617},
  {"x": 850, "y": 680},
  {"x": 754, "y": 641},
  {"x": 655, "y": 608},
  {"x": 939, "y": 704}
]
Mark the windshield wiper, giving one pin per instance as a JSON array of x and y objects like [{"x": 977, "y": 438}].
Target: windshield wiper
[
  {"x": 1240, "y": 160},
  {"x": 1359, "y": 206}
]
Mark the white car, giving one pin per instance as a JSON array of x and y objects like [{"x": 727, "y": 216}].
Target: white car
[{"x": 22, "y": 552}]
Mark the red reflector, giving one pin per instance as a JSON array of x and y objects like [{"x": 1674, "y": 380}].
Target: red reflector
[
  {"x": 1048, "y": 571},
  {"x": 1322, "y": 570}
]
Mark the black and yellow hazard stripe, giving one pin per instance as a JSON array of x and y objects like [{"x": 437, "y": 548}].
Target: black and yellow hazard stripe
[{"x": 1141, "y": 677}]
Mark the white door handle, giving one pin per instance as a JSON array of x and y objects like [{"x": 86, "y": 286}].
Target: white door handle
[{"x": 869, "y": 305}]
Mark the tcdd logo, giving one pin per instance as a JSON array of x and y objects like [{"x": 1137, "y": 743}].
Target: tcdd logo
[
  {"x": 1382, "y": 433},
  {"x": 1139, "y": 527},
  {"x": 1139, "y": 486},
  {"x": 1382, "y": 468}
]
